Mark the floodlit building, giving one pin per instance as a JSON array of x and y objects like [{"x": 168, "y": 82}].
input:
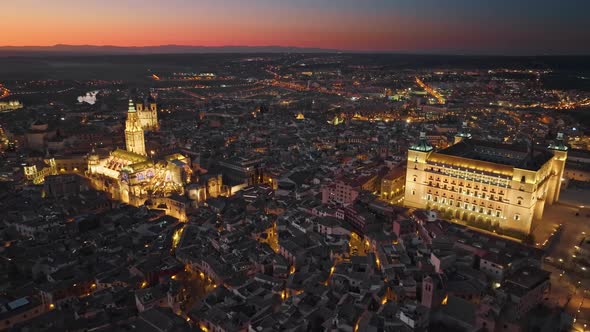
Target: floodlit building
[
  {"x": 134, "y": 138},
  {"x": 7, "y": 106},
  {"x": 130, "y": 175},
  {"x": 483, "y": 183},
  {"x": 147, "y": 113}
]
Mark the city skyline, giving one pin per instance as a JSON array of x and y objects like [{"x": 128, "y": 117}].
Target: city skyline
[
  {"x": 461, "y": 27},
  {"x": 295, "y": 165}
]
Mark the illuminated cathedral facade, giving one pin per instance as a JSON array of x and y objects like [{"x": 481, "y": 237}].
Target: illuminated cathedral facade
[
  {"x": 147, "y": 114},
  {"x": 134, "y": 138},
  {"x": 132, "y": 177},
  {"x": 483, "y": 183}
]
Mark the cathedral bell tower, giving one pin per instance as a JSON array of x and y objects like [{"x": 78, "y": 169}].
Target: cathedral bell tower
[{"x": 134, "y": 139}]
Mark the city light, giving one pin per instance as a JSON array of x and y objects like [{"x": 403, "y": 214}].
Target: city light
[{"x": 217, "y": 185}]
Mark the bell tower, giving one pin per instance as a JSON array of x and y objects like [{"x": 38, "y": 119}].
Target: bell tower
[{"x": 134, "y": 139}]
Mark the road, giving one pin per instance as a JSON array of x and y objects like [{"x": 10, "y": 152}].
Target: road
[
  {"x": 195, "y": 286},
  {"x": 431, "y": 91},
  {"x": 357, "y": 247}
]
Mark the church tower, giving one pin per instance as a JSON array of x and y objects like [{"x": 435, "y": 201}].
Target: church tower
[
  {"x": 415, "y": 172},
  {"x": 93, "y": 161},
  {"x": 147, "y": 112},
  {"x": 134, "y": 139}
]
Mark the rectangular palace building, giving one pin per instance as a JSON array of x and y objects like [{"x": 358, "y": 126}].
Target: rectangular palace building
[{"x": 502, "y": 185}]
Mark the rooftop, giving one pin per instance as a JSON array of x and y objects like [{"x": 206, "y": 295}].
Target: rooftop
[{"x": 502, "y": 154}]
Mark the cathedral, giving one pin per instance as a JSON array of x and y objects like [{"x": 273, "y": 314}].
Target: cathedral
[
  {"x": 147, "y": 113},
  {"x": 132, "y": 177}
]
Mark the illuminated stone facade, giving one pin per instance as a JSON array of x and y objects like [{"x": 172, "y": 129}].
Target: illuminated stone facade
[
  {"x": 7, "y": 106},
  {"x": 484, "y": 183},
  {"x": 37, "y": 172},
  {"x": 134, "y": 139},
  {"x": 207, "y": 186},
  {"x": 148, "y": 115},
  {"x": 132, "y": 177}
]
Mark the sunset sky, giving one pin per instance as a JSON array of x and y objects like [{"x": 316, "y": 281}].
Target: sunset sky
[{"x": 469, "y": 26}]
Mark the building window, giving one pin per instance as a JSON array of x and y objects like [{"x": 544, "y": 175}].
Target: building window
[{"x": 517, "y": 216}]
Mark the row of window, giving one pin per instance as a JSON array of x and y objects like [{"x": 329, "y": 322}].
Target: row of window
[
  {"x": 466, "y": 206},
  {"x": 474, "y": 194},
  {"x": 453, "y": 183},
  {"x": 472, "y": 207},
  {"x": 470, "y": 176},
  {"x": 468, "y": 191}
]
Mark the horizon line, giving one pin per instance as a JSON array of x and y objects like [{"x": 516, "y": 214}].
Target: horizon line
[{"x": 303, "y": 48}]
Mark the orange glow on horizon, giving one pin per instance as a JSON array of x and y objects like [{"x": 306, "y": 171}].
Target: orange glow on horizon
[
  {"x": 212, "y": 26},
  {"x": 346, "y": 25}
]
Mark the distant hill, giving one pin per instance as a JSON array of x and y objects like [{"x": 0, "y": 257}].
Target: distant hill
[{"x": 161, "y": 49}]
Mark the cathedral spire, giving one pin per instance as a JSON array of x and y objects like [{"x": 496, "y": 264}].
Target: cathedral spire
[
  {"x": 131, "y": 108},
  {"x": 134, "y": 139}
]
